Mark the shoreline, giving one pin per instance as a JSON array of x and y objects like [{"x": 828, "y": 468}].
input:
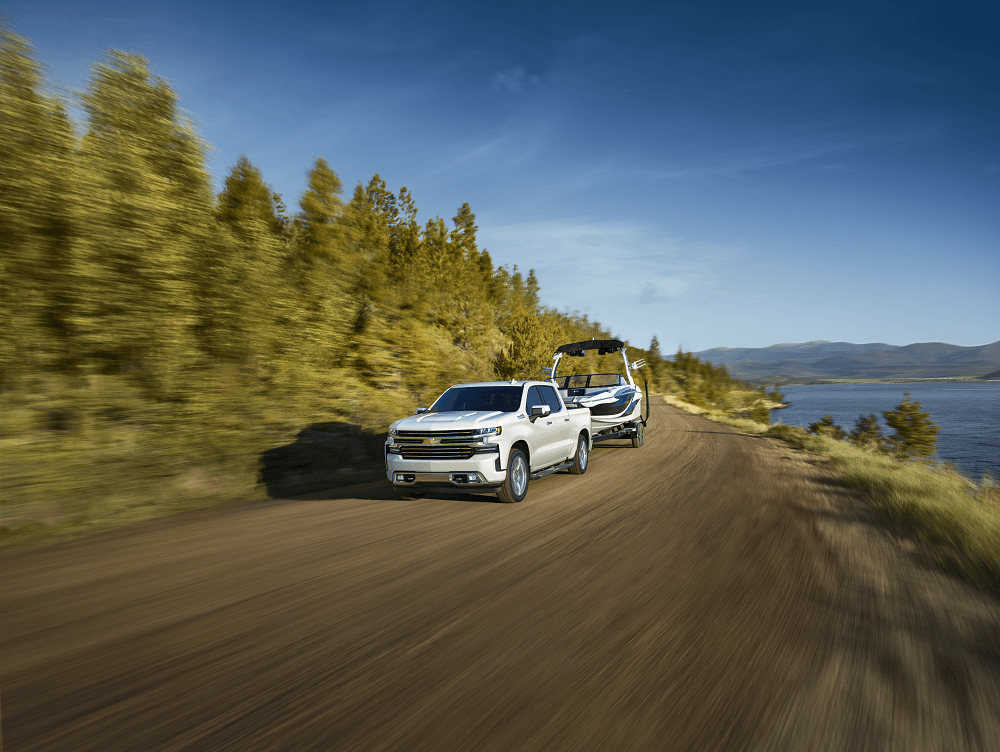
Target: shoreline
[{"x": 833, "y": 382}]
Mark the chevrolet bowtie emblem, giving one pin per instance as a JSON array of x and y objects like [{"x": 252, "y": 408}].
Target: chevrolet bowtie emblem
[{"x": 432, "y": 442}]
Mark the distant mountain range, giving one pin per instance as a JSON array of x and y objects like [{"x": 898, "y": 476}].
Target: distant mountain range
[{"x": 822, "y": 360}]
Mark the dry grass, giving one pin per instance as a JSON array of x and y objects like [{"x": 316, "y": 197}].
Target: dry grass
[{"x": 955, "y": 517}]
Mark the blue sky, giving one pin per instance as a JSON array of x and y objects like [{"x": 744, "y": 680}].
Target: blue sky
[{"x": 715, "y": 173}]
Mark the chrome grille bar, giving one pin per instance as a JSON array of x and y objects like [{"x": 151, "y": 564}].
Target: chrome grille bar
[
  {"x": 418, "y": 452},
  {"x": 436, "y": 434}
]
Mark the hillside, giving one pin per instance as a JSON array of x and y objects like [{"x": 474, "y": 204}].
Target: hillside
[
  {"x": 822, "y": 360},
  {"x": 802, "y": 352}
]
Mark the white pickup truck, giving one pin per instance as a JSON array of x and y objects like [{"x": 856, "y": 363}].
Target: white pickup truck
[{"x": 488, "y": 437}]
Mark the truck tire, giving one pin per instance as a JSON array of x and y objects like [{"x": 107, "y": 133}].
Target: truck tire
[
  {"x": 639, "y": 434},
  {"x": 582, "y": 456},
  {"x": 515, "y": 485}
]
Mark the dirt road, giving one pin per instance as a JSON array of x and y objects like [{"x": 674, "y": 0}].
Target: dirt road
[{"x": 708, "y": 591}]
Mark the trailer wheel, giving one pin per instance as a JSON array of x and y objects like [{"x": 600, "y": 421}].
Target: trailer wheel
[
  {"x": 582, "y": 457},
  {"x": 639, "y": 435},
  {"x": 515, "y": 485}
]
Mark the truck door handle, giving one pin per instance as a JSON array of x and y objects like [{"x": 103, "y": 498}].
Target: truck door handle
[
  {"x": 565, "y": 420},
  {"x": 548, "y": 422}
]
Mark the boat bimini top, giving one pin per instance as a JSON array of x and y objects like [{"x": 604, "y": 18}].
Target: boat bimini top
[{"x": 612, "y": 398}]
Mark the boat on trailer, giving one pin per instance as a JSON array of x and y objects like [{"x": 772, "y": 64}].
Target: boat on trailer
[{"x": 614, "y": 399}]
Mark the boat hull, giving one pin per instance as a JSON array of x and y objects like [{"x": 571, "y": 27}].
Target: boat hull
[
  {"x": 611, "y": 408},
  {"x": 605, "y": 422}
]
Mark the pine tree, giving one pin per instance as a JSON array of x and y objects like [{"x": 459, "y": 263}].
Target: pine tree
[
  {"x": 373, "y": 212},
  {"x": 40, "y": 215},
  {"x": 459, "y": 290},
  {"x": 867, "y": 433},
  {"x": 404, "y": 232},
  {"x": 827, "y": 427},
  {"x": 248, "y": 293},
  {"x": 247, "y": 196},
  {"x": 322, "y": 231},
  {"x": 680, "y": 359},
  {"x": 528, "y": 351},
  {"x": 531, "y": 288},
  {"x": 323, "y": 269},
  {"x": 470, "y": 304},
  {"x": 463, "y": 237},
  {"x": 915, "y": 433},
  {"x": 148, "y": 223},
  {"x": 392, "y": 339},
  {"x": 655, "y": 356}
]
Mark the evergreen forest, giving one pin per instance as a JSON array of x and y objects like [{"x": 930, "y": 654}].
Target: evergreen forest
[{"x": 157, "y": 338}]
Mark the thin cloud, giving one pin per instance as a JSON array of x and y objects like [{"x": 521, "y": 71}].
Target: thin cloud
[
  {"x": 507, "y": 149},
  {"x": 601, "y": 265},
  {"x": 515, "y": 81},
  {"x": 473, "y": 155},
  {"x": 788, "y": 149},
  {"x": 662, "y": 289}
]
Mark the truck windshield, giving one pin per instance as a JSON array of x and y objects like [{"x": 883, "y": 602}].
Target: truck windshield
[{"x": 505, "y": 399}]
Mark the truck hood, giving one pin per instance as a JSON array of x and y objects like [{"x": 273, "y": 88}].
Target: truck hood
[{"x": 454, "y": 421}]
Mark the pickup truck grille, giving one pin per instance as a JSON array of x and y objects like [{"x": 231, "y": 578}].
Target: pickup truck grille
[
  {"x": 422, "y": 452},
  {"x": 449, "y": 436}
]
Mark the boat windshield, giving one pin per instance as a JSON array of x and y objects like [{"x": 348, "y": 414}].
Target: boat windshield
[
  {"x": 591, "y": 380},
  {"x": 606, "y": 379},
  {"x": 505, "y": 399}
]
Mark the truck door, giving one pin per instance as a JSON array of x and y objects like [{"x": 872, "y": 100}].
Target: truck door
[
  {"x": 566, "y": 435},
  {"x": 544, "y": 433}
]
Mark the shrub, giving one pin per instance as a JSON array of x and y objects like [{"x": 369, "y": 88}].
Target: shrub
[
  {"x": 794, "y": 435},
  {"x": 867, "y": 433},
  {"x": 694, "y": 394},
  {"x": 915, "y": 433},
  {"x": 827, "y": 427},
  {"x": 760, "y": 414}
]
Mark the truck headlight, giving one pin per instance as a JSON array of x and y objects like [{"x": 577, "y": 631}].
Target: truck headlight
[
  {"x": 392, "y": 432},
  {"x": 390, "y": 441},
  {"x": 493, "y": 431}
]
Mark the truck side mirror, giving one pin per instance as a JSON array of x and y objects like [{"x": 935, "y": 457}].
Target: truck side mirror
[
  {"x": 421, "y": 410},
  {"x": 540, "y": 411}
]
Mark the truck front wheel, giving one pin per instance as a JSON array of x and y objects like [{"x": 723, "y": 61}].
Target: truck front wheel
[{"x": 515, "y": 485}]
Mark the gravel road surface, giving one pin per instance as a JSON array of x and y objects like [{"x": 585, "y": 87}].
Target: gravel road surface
[{"x": 707, "y": 591}]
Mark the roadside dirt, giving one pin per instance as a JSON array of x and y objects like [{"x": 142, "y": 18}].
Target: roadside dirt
[{"x": 708, "y": 591}]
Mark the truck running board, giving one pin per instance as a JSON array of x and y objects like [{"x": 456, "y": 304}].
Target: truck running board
[{"x": 550, "y": 470}]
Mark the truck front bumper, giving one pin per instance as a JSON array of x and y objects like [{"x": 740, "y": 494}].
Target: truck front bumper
[{"x": 481, "y": 470}]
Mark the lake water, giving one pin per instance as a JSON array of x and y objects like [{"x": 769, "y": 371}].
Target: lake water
[{"x": 968, "y": 413}]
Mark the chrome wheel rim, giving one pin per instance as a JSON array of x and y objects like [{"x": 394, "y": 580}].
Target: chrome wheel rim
[
  {"x": 583, "y": 453},
  {"x": 518, "y": 476}
]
